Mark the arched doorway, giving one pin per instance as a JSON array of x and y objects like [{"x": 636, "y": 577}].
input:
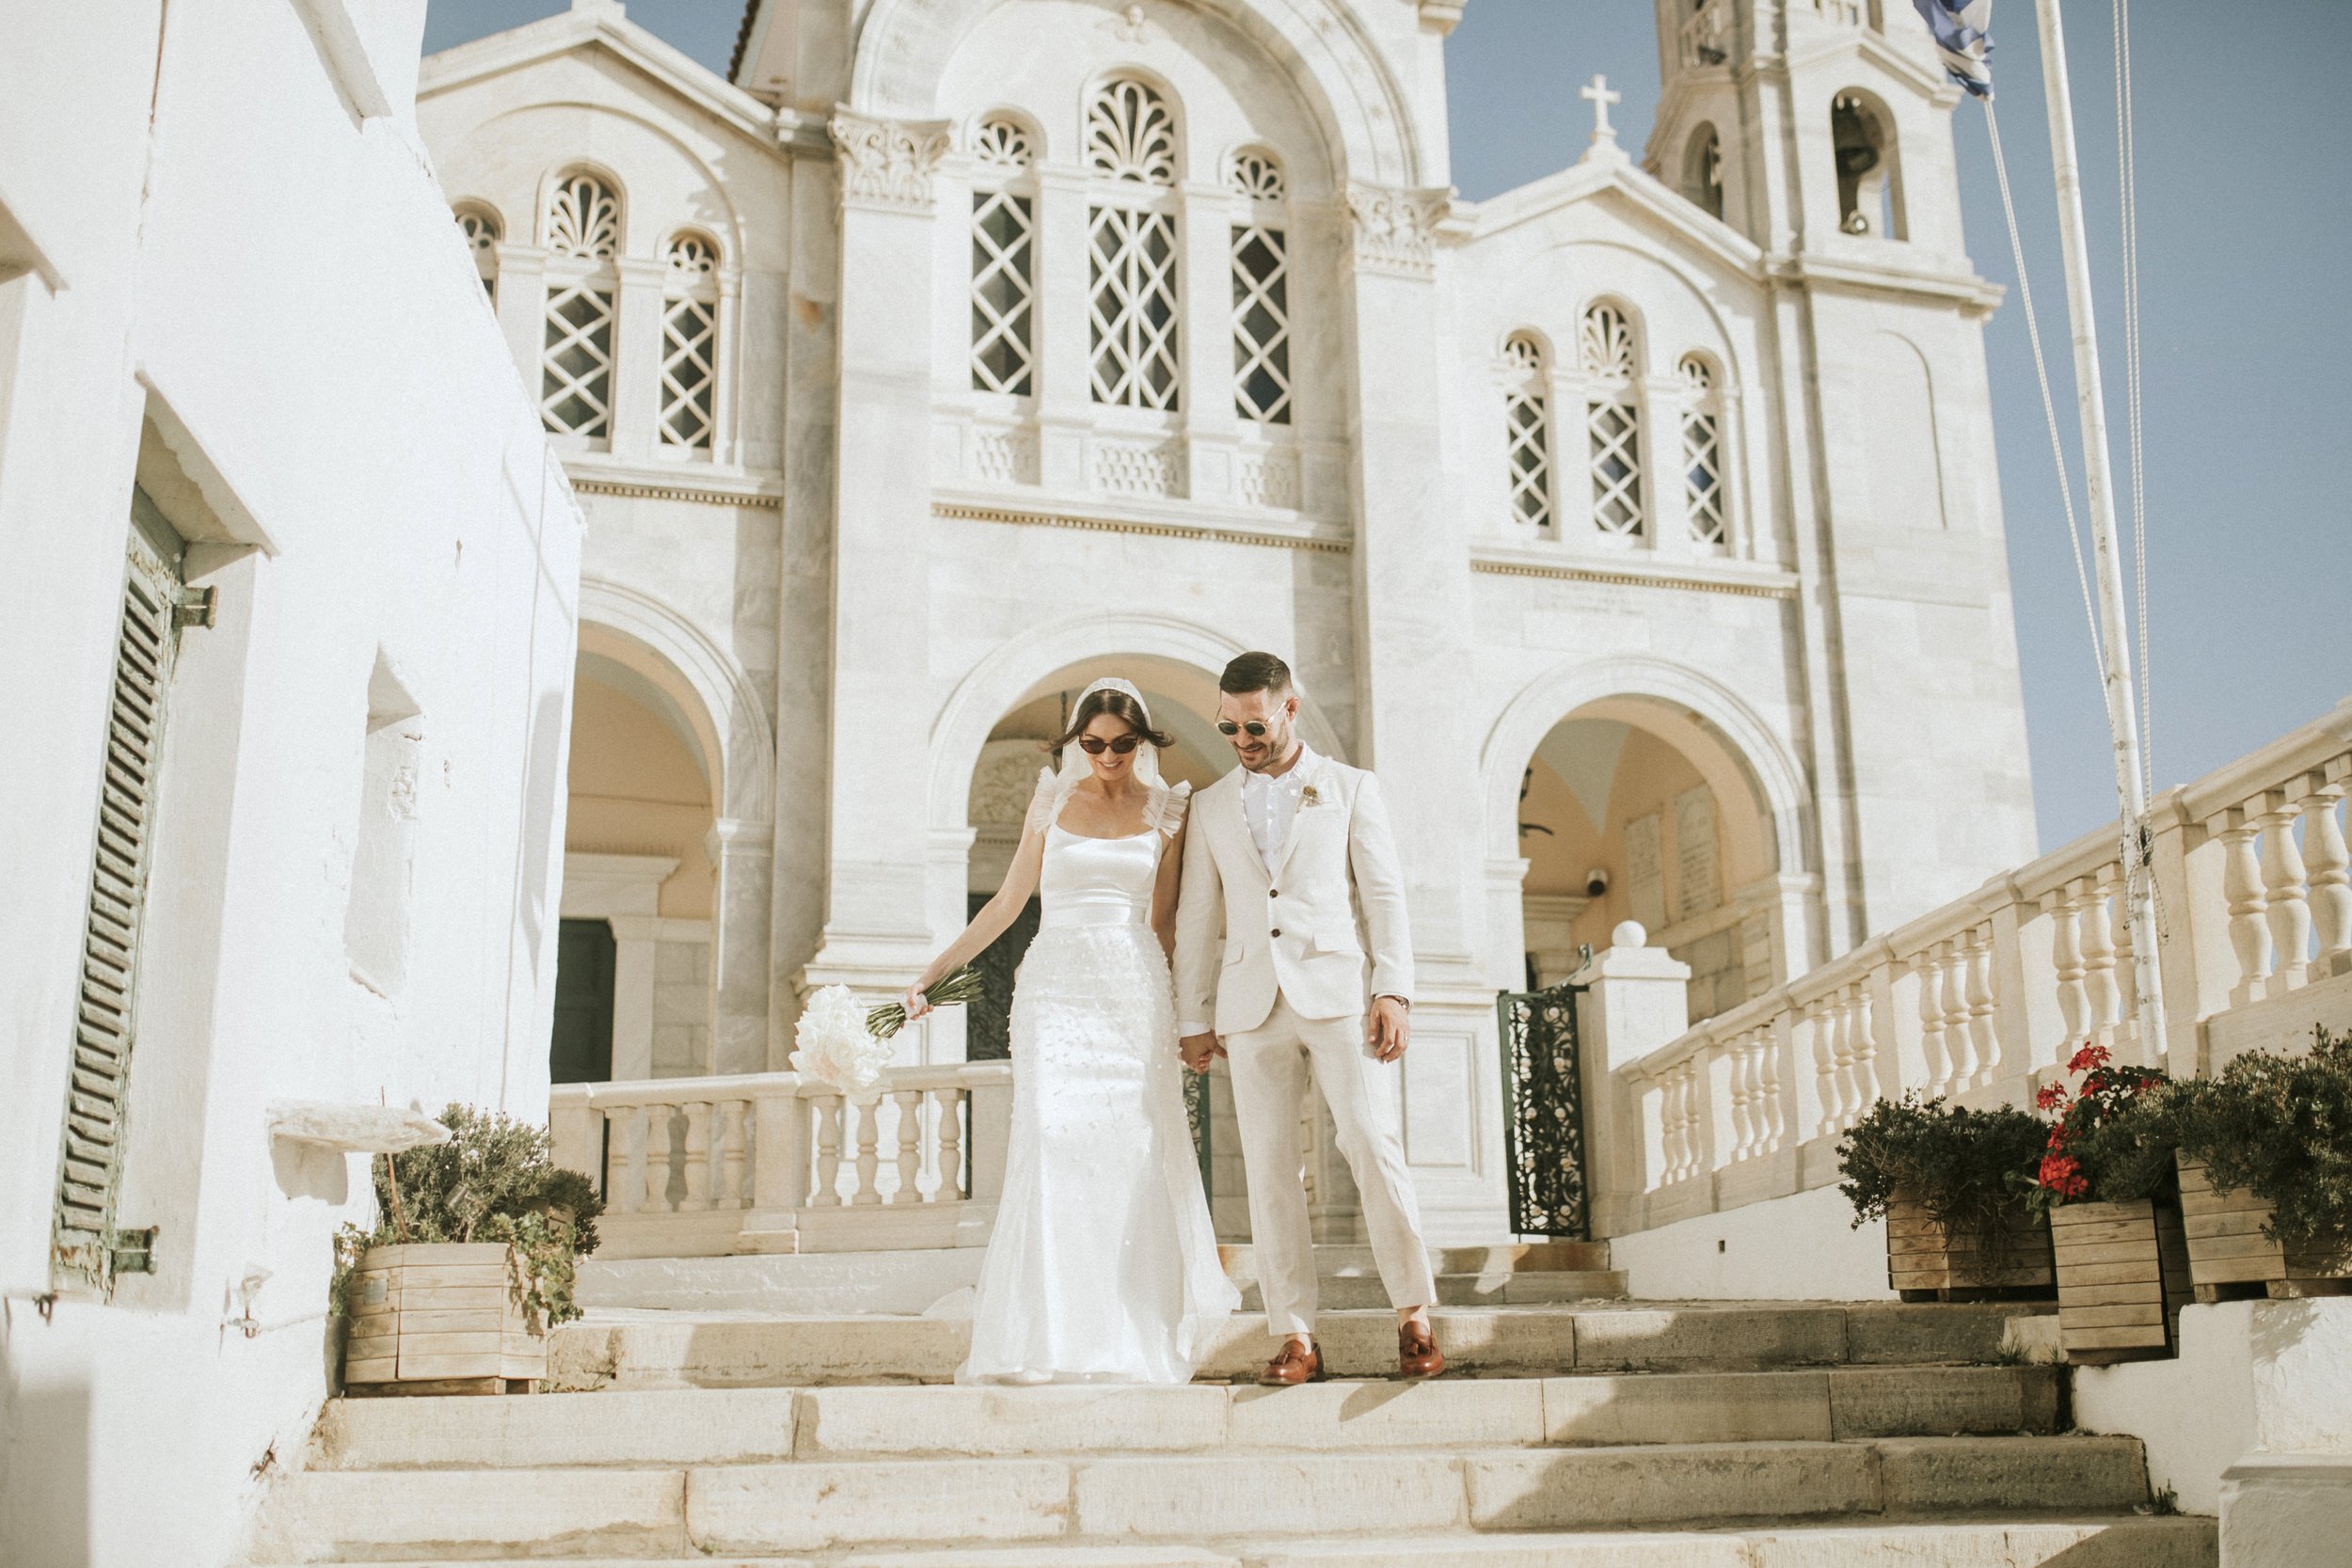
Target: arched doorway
[{"x": 633, "y": 964}]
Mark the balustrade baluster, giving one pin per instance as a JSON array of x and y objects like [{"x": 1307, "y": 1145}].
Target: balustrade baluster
[
  {"x": 2242, "y": 886},
  {"x": 829, "y": 1110},
  {"x": 1775, "y": 1118},
  {"x": 1742, "y": 1096},
  {"x": 1867, "y": 1087},
  {"x": 1687, "y": 1111},
  {"x": 2329, "y": 864},
  {"x": 728, "y": 1165},
  {"x": 868, "y": 1154},
  {"x": 697, "y": 1156},
  {"x": 2098, "y": 938},
  {"x": 909, "y": 1103},
  {"x": 1849, "y": 1078},
  {"x": 1934, "y": 1058},
  {"x": 951, "y": 1187},
  {"x": 1983, "y": 1043},
  {"x": 1951, "y": 976},
  {"x": 2066, "y": 958},
  {"x": 657, "y": 1158},
  {"x": 625, "y": 1161},
  {"x": 1818, "y": 1034},
  {"x": 2284, "y": 893}
]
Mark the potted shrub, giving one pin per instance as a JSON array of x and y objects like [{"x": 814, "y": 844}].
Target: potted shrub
[
  {"x": 2265, "y": 1163},
  {"x": 469, "y": 1264},
  {"x": 1945, "y": 1180},
  {"x": 2107, "y": 1182}
]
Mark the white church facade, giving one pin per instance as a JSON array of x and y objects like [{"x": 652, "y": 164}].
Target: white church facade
[{"x": 1639, "y": 526}]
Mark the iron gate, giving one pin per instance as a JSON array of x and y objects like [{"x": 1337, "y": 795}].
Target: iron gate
[{"x": 1544, "y": 1116}]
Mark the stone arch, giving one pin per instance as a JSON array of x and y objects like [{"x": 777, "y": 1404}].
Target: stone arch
[
  {"x": 1768, "y": 770},
  {"x": 1017, "y": 668},
  {"x": 727, "y": 219},
  {"x": 726, "y": 714},
  {"x": 1366, "y": 119}
]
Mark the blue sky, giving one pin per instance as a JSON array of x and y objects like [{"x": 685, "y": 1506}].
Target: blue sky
[{"x": 2241, "y": 114}]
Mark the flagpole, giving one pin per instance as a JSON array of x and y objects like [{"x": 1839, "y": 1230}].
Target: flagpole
[{"x": 2139, "y": 890}]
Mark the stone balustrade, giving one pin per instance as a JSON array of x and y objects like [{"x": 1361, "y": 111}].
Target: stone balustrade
[
  {"x": 772, "y": 1161},
  {"x": 1983, "y": 1000}
]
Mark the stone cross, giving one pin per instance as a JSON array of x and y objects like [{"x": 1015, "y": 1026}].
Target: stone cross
[{"x": 1599, "y": 95}]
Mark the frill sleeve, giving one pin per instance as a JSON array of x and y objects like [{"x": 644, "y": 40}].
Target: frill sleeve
[
  {"x": 1044, "y": 803},
  {"x": 1167, "y": 809}
]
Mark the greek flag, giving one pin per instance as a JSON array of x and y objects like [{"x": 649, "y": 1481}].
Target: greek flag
[{"x": 1962, "y": 30}]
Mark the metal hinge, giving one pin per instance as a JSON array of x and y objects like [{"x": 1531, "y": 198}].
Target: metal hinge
[
  {"x": 196, "y": 606},
  {"x": 133, "y": 1251}
]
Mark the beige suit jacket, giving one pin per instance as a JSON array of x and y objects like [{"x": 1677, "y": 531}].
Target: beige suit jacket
[{"x": 1305, "y": 933}]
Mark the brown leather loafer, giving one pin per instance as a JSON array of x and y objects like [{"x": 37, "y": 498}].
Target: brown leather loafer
[
  {"x": 1416, "y": 1353},
  {"x": 1293, "y": 1366}
]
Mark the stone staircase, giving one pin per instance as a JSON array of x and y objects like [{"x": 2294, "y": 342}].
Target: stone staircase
[{"x": 1595, "y": 1434}]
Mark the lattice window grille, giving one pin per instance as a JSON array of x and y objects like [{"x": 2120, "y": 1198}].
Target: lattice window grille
[
  {"x": 584, "y": 219},
  {"x": 1527, "y": 429},
  {"x": 1257, "y": 175},
  {"x": 689, "y": 344},
  {"x": 576, "y": 359},
  {"x": 1004, "y": 293},
  {"x": 1003, "y": 144},
  {"x": 90, "y": 1174},
  {"x": 481, "y": 230},
  {"x": 1605, "y": 345},
  {"x": 1132, "y": 314},
  {"x": 1262, "y": 324},
  {"x": 1613, "y": 419},
  {"x": 1130, "y": 133},
  {"x": 1702, "y": 451}
]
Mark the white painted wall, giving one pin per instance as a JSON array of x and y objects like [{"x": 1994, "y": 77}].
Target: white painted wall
[
  {"x": 1802, "y": 1247},
  {"x": 235, "y": 237}
]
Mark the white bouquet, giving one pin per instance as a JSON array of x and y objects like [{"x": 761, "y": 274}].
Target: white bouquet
[
  {"x": 847, "y": 1047},
  {"x": 837, "y": 1047}
]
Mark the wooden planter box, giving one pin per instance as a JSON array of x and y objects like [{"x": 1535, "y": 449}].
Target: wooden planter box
[
  {"x": 2230, "y": 1258},
  {"x": 441, "y": 1318},
  {"x": 2122, "y": 1277},
  {"x": 1923, "y": 1264}
]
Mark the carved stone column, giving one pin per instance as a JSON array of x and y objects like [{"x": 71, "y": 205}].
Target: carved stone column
[
  {"x": 877, "y": 931},
  {"x": 1412, "y": 580}
]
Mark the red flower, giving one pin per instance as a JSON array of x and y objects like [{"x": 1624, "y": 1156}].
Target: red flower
[
  {"x": 2089, "y": 1056},
  {"x": 2063, "y": 1176},
  {"x": 2051, "y": 1097}
]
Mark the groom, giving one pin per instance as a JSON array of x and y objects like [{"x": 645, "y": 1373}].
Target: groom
[{"x": 1281, "y": 855}]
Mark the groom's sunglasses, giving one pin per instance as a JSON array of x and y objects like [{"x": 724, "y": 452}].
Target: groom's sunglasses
[
  {"x": 1094, "y": 746},
  {"x": 1256, "y": 728}
]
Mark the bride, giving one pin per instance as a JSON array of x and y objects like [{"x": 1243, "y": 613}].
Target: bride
[{"x": 1104, "y": 1265}]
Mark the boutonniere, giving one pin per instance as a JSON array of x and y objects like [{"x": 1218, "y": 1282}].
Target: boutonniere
[{"x": 1309, "y": 796}]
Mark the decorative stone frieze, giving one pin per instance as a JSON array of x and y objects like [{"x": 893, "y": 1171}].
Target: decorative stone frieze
[
  {"x": 1397, "y": 230},
  {"x": 887, "y": 163}
]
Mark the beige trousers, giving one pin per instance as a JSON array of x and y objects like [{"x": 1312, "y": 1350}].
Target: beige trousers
[{"x": 1269, "y": 1070}]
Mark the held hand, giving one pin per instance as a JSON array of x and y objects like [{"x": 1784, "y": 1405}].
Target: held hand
[
  {"x": 914, "y": 1002},
  {"x": 1387, "y": 1029},
  {"x": 1199, "y": 1051}
]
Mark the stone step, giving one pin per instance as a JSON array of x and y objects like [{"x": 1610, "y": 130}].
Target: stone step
[
  {"x": 2088, "y": 1543},
  {"x": 821, "y": 1284},
  {"x": 818, "y": 1506},
  {"x": 689, "y": 1427},
  {"x": 674, "y": 1350}
]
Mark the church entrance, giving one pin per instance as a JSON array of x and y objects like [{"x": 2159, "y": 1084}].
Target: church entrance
[{"x": 581, "y": 1048}]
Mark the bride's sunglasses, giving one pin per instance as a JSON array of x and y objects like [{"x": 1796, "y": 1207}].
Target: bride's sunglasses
[
  {"x": 1256, "y": 728},
  {"x": 1094, "y": 746}
]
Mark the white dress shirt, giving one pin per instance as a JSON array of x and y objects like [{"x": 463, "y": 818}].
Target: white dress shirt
[{"x": 1271, "y": 804}]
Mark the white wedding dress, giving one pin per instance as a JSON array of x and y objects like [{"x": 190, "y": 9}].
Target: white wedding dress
[{"x": 1104, "y": 1265}]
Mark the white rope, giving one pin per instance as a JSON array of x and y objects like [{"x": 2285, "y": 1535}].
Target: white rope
[
  {"x": 2049, "y": 404},
  {"x": 2127, "y": 163}
]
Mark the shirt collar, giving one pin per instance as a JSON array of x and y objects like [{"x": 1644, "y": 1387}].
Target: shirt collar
[{"x": 1291, "y": 780}]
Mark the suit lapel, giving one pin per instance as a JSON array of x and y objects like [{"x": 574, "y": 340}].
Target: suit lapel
[
  {"x": 1237, "y": 815},
  {"x": 1298, "y": 818}
]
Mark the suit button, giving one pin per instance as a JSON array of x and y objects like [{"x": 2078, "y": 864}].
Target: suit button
[
  {"x": 1274, "y": 893},
  {"x": 1276, "y": 931}
]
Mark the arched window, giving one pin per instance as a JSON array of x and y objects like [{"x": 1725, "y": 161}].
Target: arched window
[
  {"x": 1004, "y": 257},
  {"x": 1526, "y": 432},
  {"x": 583, "y": 235},
  {"x": 689, "y": 343},
  {"x": 482, "y": 232},
  {"x": 1869, "y": 175},
  {"x": 1702, "y": 449},
  {"x": 1703, "y": 171},
  {"x": 1130, "y": 226},
  {"x": 1613, "y": 419},
  {"x": 1261, "y": 297}
]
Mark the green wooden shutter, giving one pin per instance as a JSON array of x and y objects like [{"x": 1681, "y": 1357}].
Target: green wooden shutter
[{"x": 90, "y": 1171}]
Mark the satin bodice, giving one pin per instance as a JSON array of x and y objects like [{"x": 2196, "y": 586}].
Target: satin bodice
[{"x": 1098, "y": 882}]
